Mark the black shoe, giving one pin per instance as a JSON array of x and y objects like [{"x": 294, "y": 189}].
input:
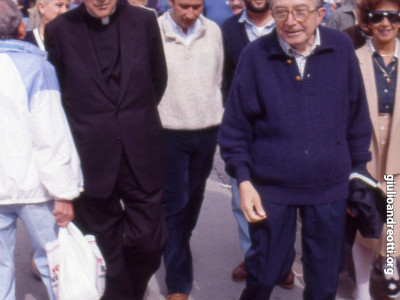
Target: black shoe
[
  {"x": 392, "y": 287},
  {"x": 377, "y": 266}
]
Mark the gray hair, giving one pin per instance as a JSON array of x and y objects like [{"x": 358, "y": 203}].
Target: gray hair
[
  {"x": 318, "y": 3},
  {"x": 10, "y": 18}
]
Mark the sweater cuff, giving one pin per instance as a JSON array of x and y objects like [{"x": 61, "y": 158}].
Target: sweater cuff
[
  {"x": 242, "y": 174},
  {"x": 360, "y": 158}
]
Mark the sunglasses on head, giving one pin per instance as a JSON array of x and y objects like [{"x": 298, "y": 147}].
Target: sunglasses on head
[{"x": 378, "y": 16}]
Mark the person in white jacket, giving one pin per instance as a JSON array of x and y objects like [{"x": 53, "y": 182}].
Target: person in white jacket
[{"x": 39, "y": 166}]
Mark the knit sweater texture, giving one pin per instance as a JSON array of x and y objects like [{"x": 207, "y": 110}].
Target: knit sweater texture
[
  {"x": 193, "y": 98},
  {"x": 295, "y": 138}
]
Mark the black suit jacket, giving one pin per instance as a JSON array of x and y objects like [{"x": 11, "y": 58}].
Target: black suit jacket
[
  {"x": 99, "y": 123},
  {"x": 235, "y": 39}
]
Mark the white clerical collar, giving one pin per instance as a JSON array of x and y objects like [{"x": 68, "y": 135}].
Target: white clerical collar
[{"x": 104, "y": 20}]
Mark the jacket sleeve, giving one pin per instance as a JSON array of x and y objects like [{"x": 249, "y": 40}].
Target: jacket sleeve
[
  {"x": 236, "y": 131},
  {"x": 158, "y": 62},
  {"x": 359, "y": 130},
  {"x": 227, "y": 71},
  {"x": 54, "y": 151}
]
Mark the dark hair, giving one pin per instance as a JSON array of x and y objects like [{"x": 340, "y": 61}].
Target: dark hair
[
  {"x": 367, "y": 6},
  {"x": 10, "y": 18}
]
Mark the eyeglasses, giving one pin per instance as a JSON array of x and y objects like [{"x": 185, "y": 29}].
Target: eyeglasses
[
  {"x": 299, "y": 14},
  {"x": 376, "y": 17}
]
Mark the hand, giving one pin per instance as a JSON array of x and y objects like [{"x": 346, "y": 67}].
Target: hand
[
  {"x": 250, "y": 203},
  {"x": 63, "y": 212}
]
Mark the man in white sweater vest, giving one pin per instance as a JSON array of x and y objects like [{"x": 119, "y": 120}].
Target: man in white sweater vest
[{"x": 190, "y": 111}]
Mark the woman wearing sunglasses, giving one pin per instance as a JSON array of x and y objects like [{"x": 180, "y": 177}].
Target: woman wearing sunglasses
[{"x": 379, "y": 62}]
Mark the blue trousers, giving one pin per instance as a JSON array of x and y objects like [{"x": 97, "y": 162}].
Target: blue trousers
[
  {"x": 189, "y": 158},
  {"x": 243, "y": 225},
  {"x": 271, "y": 254},
  {"x": 40, "y": 223}
]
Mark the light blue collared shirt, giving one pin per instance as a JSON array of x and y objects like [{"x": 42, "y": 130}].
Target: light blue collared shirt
[
  {"x": 253, "y": 32},
  {"x": 191, "y": 31}
]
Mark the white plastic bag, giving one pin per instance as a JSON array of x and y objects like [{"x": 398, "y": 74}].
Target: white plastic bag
[{"x": 77, "y": 268}]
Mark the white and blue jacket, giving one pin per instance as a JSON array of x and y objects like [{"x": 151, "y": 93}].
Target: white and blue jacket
[{"x": 38, "y": 159}]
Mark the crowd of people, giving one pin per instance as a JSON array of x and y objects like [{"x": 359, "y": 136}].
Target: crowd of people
[{"x": 112, "y": 112}]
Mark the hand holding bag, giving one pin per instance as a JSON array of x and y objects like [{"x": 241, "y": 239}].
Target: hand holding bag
[{"x": 76, "y": 265}]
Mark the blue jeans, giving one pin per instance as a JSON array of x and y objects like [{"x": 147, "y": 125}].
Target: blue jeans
[
  {"x": 243, "y": 225},
  {"x": 39, "y": 221},
  {"x": 189, "y": 158}
]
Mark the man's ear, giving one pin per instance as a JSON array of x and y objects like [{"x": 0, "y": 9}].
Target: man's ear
[
  {"x": 21, "y": 30},
  {"x": 321, "y": 14}
]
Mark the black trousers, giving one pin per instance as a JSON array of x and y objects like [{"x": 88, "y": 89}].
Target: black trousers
[{"x": 130, "y": 231}]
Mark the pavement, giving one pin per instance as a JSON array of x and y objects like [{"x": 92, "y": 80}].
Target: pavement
[{"x": 215, "y": 250}]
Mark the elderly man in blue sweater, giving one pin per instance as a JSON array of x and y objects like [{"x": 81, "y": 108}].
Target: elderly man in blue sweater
[{"x": 296, "y": 125}]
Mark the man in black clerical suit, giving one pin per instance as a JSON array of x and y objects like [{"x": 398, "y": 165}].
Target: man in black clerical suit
[{"x": 110, "y": 62}]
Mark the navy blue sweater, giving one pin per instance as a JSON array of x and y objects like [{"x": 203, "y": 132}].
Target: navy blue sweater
[
  {"x": 235, "y": 39},
  {"x": 297, "y": 140}
]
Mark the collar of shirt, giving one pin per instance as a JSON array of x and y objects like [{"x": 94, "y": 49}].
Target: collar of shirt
[
  {"x": 396, "y": 48},
  {"x": 191, "y": 31},
  {"x": 294, "y": 53},
  {"x": 252, "y": 30},
  {"x": 301, "y": 59}
]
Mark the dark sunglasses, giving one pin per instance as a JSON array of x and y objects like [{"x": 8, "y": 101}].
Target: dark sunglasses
[{"x": 377, "y": 16}]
